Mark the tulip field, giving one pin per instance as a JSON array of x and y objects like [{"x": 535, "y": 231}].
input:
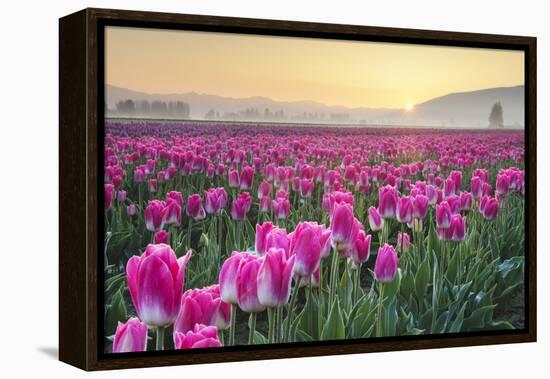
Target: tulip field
[{"x": 219, "y": 234}]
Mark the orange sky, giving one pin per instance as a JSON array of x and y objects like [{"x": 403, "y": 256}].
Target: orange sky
[{"x": 332, "y": 72}]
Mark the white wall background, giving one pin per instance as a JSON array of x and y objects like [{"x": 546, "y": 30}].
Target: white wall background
[{"x": 29, "y": 189}]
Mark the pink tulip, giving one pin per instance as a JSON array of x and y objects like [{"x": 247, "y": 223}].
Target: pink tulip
[
  {"x": 376, "y": 222},
  {"x": 229, "y": 274},
  {"x": 360, "y": 252},
  {"x": 247, "y": 177},
  {"x": 281, "y": 208},
  {"x": 404, "y": 210},
  {"x": 387, "y": 201},
  {"x": 261, "y": 235},
  {"x": 403, "y": 242},
  {"x": 215, "y": 200},
  {"x": 194, "y": 207},
  {"x": 240, "y": 206},
  {"x": 172, "y": 212},
  {"x": 247, "y": 286},
  {"x": 458, "y": 227},
  {"x": 456, "y": 177},
  {"x": 431, "y": 194},
  {"x": 153, "y": 185},
  {"x": 155, "y": 280},
  {"x": 466, "y": 201},
  {"x": 420, "y": 207},
  {"x": 490, "y": 209},
  {"x": 385, "y": 267},
  {"x": 175, "y": 196},
  {"x": 274, "y": 278},
  {"x": 154, "y": 215},
  {"x": 233, "y": 179},
  {"x": 108, "y": 194},
  {"x": 449, "y": 188},
  {"x": 131, "y": 210},
  {"x": 503, "y": 184},
  {"x": 264, "y": 190},
  {"x": 306, "y": 188},
  {"x": 130, "y": 336},
  {"x": 475, "y": 187},
  {"x": 443, "y": 215},
  {"x": 202, "y": 306},
  {"x": 309, "y": 242},
  {"x": 455, "y": 204},
  {"x": 121, "y": 196},
  {"x": 139, "y": 175},
  {"x": 265, "y": 204},
  {"x": 341, "y": 224},
  {"x": 161, "y": 237},
  {"x": 201, "y": 336}
]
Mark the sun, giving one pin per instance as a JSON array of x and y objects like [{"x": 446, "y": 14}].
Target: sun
[{"x": 409, "y": 107}]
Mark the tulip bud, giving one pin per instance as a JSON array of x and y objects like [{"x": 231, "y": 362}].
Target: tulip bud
[
  {"x": 130, "y": 336},
  {"x": 155, "y": 280},
  {"x": 475, "y": 187},
  {"x": 376, "y": 222},
  {"x": 247, "y": 177},
  {"x": 131, "y": 210},
  {"x": 443, "y": 215},
  {"x": 240, "y": 206},
  {"x": 247, "y": 286},
  {"x": 261, "y": 234},
  {"x": 154, "y": 215},
  {"x": 385, "y": 267},
  {"x": 201, "y": 336},
  {"x": 420, "y": 207},
  {"x": 161, "y": 237},
  {"x": 194, "y": 207},
  {"x": 202, "y": 306},
  {"x": 264, "y": 190},
  {"x": 153, "y": 185},
  {"x": 121, "y": 196},
  {"x": 309, "y": 242},
  {"x": 228, "y": 276},
  {"x": 341, "y": 224},
  {"x": 490, "y": 209},
  {"x": 404, "y": 210},
  {"x": 274, "y": 278},
  {"x": 108, "y": 194},
  {"x": 466, "y": 201},
  {"x": 281, "y": 208},
  {"x": 233, "y": 179},
  {"x": 215, "y": 200},
  {"x": 172, "y": 212},
  {"x": 361, "y": 249},
  {"x": 387, "y": 201}
]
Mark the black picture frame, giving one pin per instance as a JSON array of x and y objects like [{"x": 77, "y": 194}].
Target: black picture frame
[{"x": 81, "y": 100}]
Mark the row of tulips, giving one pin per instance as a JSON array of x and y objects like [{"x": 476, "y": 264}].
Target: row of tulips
[{"x": 303, "y": 273}]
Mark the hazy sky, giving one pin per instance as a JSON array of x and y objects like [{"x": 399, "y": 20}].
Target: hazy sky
[{"x": 332, "y": 72}]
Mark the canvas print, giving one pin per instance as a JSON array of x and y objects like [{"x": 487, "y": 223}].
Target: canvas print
[{"x": 280, "y": 190}]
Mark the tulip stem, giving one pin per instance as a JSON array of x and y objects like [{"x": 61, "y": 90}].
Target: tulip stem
[
  {"x": 233, "y": 324},
  {"x": 333, "y": 278},
  {"x": 160, "y": 338},
  {"x": 278, "y": 324},
  {"x": 270, "y": 322},
  {"x": 380, "y": 304},
  {"x": 252, "y": 326},
  {"x": 189, "y": 228},
  {"x": 356, "y": 284},
  {"x": 286, "y": 337}
]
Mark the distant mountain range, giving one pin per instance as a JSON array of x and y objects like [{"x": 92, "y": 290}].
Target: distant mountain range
[{"x": 464, "y": 109}]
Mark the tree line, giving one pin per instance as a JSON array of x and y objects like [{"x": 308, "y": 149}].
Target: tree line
[{"x": 155, "y": 108}]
